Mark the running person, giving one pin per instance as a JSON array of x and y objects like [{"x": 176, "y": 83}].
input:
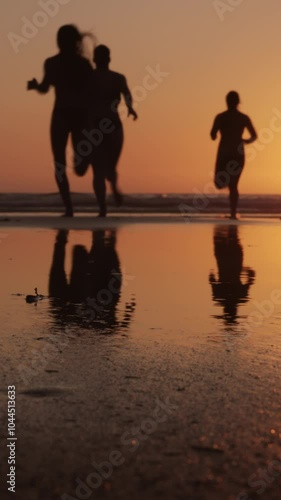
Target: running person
[
  {"x": 68, "y": 72},
  {"x": 231, "y": 156},
  {"x": 106, "y": 89}
]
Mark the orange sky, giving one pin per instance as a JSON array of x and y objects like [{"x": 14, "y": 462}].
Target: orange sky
[{"x": 207, "y": 47}]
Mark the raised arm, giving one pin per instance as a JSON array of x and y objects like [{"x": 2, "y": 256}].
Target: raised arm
[
  {"x": 215, "y": 128},
  {"x": 44, "y": 86},
  {"x": 251, "y": 129},
  {"x": 125, "y": 91}
]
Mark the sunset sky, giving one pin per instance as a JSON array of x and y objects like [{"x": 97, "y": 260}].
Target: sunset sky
[{"x": 205, "y": 47}]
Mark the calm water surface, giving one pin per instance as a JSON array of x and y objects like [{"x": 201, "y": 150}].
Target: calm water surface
[{"x": 185, "y": 284}]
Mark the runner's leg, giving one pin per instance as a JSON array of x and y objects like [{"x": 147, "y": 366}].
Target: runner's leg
[{"x": 59, "y": 135}]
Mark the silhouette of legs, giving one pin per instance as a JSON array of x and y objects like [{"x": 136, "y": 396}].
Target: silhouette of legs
[
  {"x": 234, "y": 194},
  {"x": 100, "y": 190},
  {"x": 233, "y": 198},
  {"x": 116, "y": 193},
  {"x": 60, "y": 130},
  {"x": 82, "y": 156},
  {"x": 114, "y": 152},
  {"x": 105, "y": 160},
  {"x": 229, "y": 167}
]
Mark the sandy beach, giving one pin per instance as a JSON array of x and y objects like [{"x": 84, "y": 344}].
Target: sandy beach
[{"x": 171, "y": 388}]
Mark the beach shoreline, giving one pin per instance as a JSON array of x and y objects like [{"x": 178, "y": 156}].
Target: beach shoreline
[
  {"x": 91, "y": 221},
  {"x": 193, "y": 204}
]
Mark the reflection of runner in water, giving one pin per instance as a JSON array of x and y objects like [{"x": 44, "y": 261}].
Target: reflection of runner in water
[
  {"x": 231, "y": 288},
  {"x": 231, "y": 158},
  {"x": 106, "y": 90},
  {"x": 90, "y": 296},
  {"x": 68, "y": 72}
]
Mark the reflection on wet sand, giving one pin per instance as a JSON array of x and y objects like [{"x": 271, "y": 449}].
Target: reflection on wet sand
[
  {"x": 90, "y": 297},
  {"x": 231, "y": 287}
]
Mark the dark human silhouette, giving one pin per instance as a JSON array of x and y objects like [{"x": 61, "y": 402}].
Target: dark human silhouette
[
  {"x": 90, "y": 297},
  {"x": 231, "y": 157},
  {"x": 231, "y": 287},
  {"x": 68, "y": 72},
  {"x": 106, "y": 89}
]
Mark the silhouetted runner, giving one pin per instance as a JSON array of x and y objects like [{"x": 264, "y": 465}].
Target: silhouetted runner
[
  {"x": 231, "y": 157},
  {"x": 106, "y": 89},
  {"x": 68, "y": 72}
]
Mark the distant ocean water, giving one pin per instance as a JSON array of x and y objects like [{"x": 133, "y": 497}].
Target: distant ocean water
[{"x": 144, "y": 203}]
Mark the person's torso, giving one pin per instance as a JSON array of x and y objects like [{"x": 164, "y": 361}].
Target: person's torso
[
  {"x": 105, "y": 94},
  {"x": 69, "y": 76},
  {"x": 231, "y": 126}
]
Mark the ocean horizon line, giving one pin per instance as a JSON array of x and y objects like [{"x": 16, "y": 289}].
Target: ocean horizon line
[{"x": 197, "y": 203}]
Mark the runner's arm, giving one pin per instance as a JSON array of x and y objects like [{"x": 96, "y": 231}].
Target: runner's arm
[
  {"x": 44, "y": 86},
  {"x": 215, "y": 128},
  {"x": 125, "y": 91},
  {"x": 251, "y": 129}
]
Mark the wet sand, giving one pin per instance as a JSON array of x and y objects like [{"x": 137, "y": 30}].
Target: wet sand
[
  {"x": 178, "y": 389},
  {"x": 217, "y": 431},
  {"x": 91, "y": 221}
]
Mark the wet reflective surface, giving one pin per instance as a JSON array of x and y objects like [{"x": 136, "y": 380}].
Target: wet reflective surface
[
  {"x": 183, "y": 313},
  {"x": 175, "y": 283}
]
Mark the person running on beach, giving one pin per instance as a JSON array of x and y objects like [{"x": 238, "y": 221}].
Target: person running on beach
[
  {"x": 106, "y": 89},
  {"x": 231, "y": 156},
  {"x": 68, "y": 72}
]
